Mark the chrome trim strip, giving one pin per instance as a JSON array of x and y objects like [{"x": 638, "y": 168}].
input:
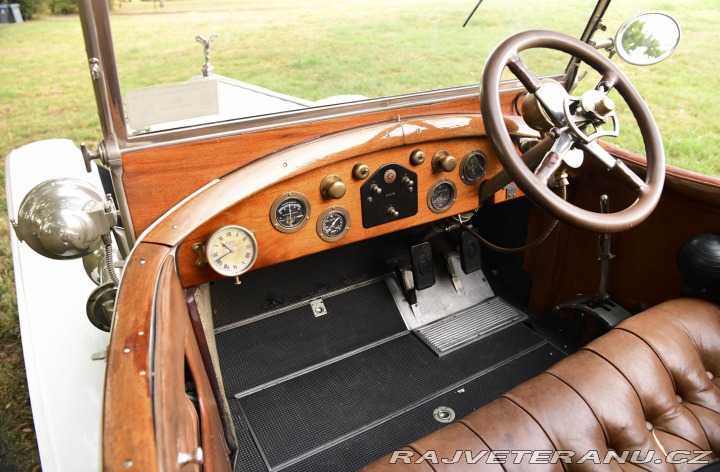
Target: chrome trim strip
[
  {"x": 411, "y": 406},
  {"x": 320, "y": 365},
  {"x": 294, "y": 117}
]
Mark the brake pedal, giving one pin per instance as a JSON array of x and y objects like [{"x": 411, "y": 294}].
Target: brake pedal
[{"x": 470, "y": 260}]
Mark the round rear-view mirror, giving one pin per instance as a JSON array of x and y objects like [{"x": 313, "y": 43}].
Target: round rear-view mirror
[{"x": 647, "y": 38}]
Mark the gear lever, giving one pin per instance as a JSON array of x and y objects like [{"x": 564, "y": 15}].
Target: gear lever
[{"x": 600, "y": 305}]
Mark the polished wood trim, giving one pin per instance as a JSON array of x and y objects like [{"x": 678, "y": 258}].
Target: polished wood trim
[
  {"x": 274, "y": 246},
  {"x": 174, "y": 426},
  {"x": 217, "y": 454},
  {"x": 644, "y": 272},
  {"x": 690, "y": 184},
  {"x": 302, "y": 168},
  {"x": 128, "y": 429},
  {"x": 177, "y": 225},
  {"x": 155, "y": 180}
]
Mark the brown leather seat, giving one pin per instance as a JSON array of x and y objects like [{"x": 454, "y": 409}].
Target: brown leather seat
[{"x": 650, "y": 386}]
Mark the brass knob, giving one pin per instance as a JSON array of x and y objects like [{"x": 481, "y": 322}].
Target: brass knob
[
  {"x": 332, "y": 186},
  {"x": 443, "y": 161},
  {"x": 417, "y": 157},
  {"x": 605, "y": 106},
  {"x": 360, "y": 171}
]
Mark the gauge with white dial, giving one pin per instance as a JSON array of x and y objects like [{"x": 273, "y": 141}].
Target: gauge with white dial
[
  {"x": 333, "y": 223},
  {"x": 289, "y": 212},
  {"x": 231, "y": 250}
]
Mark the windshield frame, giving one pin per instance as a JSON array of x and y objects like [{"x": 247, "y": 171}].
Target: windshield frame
[{"x": 95, "y": 19}]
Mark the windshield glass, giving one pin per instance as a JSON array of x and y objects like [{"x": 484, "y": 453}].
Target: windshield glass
[{"x": 273, "y": 56}]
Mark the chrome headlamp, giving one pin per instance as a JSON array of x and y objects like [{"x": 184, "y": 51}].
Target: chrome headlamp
[{"x": 65, "y": 219}]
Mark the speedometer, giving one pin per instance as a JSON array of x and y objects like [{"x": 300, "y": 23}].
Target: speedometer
[
  {"x": 289, "y": 212},
  {"x": 333, "y": 223}
]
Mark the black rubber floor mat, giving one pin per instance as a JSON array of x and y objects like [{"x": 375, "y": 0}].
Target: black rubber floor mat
[
  {"x": 265, "y": 350},
  {"x": 283, "y": 284},
  {"x": 396, "y": 433},
  {"x": 312, "y": 412}
]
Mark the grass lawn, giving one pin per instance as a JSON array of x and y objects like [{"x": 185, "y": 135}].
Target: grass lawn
[{"x": 374, "y": 48}]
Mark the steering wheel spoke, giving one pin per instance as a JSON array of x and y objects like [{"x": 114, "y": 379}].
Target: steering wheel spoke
[
  {"x": 606, "y": 82},
  {"x": 553, "y": 160},
  {"x": 526, "y": 77},
  {"x": 599, "y": 153},
  {"x": 630, "y": 177}
]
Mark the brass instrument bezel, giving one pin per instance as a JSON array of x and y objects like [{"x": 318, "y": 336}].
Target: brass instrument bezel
[
  {"x": 463, "y": 163},
  {"x": 431, "y": 190},
  {"x": 279, "y": 201},
  {"x": 323, "y": 214}
]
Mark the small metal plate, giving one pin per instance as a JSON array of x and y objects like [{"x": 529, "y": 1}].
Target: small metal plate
[{"x": 318, "y": 307}]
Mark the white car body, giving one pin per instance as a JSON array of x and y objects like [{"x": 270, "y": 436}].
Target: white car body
[{"x": 65, "y": 384}]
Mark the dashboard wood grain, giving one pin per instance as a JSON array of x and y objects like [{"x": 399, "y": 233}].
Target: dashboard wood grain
[
  {"x": 157, "y": 179},
  {"x": 274, "y": 246}
]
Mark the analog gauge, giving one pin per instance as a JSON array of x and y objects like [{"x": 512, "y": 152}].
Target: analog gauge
[
  {"x": 473, "y": 167},
  {"x": 289, "y": 212},
  {"x": 231, "y": 250},
  {"x": 441, "y": 195},
  {"x": 333, "y": 223}
]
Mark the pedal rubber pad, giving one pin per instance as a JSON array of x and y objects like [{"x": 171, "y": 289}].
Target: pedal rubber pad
[
  {"x": 422, "y": 266},
  {"x": 470, "y": 260}
]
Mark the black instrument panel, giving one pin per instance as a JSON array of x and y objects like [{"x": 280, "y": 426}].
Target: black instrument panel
[{"x": 389, "y": 194}]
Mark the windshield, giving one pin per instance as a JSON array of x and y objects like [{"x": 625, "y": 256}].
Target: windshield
[{"x": 273, "y": 56}]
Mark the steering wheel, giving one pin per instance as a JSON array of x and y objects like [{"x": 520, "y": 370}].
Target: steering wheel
[{"x": 573, "y": 125}]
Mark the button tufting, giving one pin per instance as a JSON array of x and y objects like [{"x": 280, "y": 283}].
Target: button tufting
[
  {"x": 710, "y": 375},
  {"x": 649, "y": 425},
  {"x": 679, "y": 398}
]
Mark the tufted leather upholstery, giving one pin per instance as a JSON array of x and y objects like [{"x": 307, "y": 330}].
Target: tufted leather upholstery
[{"x": 650, "y": 385}]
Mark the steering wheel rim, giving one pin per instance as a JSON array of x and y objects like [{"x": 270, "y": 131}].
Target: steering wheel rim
[{"x": 506, "y": 54}]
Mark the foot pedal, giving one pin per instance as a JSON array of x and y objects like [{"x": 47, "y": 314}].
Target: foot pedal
[
  {"x": 469, "y": 325},
  {"x": 469, "y": 253},
  {"x": 422, "y": 266}
]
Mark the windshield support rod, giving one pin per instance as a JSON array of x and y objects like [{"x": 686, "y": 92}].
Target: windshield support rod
[{"x": 472, "y": 12}]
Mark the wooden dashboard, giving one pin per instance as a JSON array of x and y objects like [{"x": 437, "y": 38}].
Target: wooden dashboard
[
  {"x": 301, "y": 170},
  {"x": 243, "y": 174}
]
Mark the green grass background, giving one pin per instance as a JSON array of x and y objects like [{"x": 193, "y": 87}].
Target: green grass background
[{"x": 373, "y": 48}]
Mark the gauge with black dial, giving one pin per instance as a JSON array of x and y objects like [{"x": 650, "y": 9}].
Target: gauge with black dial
[
  {"x": 473, "y": 167},
  {"x": 333, "y": 223},
  {"x": 289, "y": 212},
  {"x": 231, "y": 250},
  {"x": 441, "y": 195}
]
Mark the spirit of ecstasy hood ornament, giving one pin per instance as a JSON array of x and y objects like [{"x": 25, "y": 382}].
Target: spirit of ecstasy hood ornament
[{"x": 207, "y": 68}]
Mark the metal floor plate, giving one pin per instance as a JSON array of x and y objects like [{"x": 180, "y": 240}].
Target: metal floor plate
[{"x": 471, "y": 324}]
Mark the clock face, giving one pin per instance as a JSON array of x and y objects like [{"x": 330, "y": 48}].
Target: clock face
[{"x": 231, "y": 250}]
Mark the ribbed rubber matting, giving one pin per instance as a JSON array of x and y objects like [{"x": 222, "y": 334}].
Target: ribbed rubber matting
[
  {"x": 263, "y": 351},
  {"x": 321, "y": 409},
  {"x": 283, "y": 284},
  {"x": 418, "y": 422},
  {"x": 448, "y": 334}
]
